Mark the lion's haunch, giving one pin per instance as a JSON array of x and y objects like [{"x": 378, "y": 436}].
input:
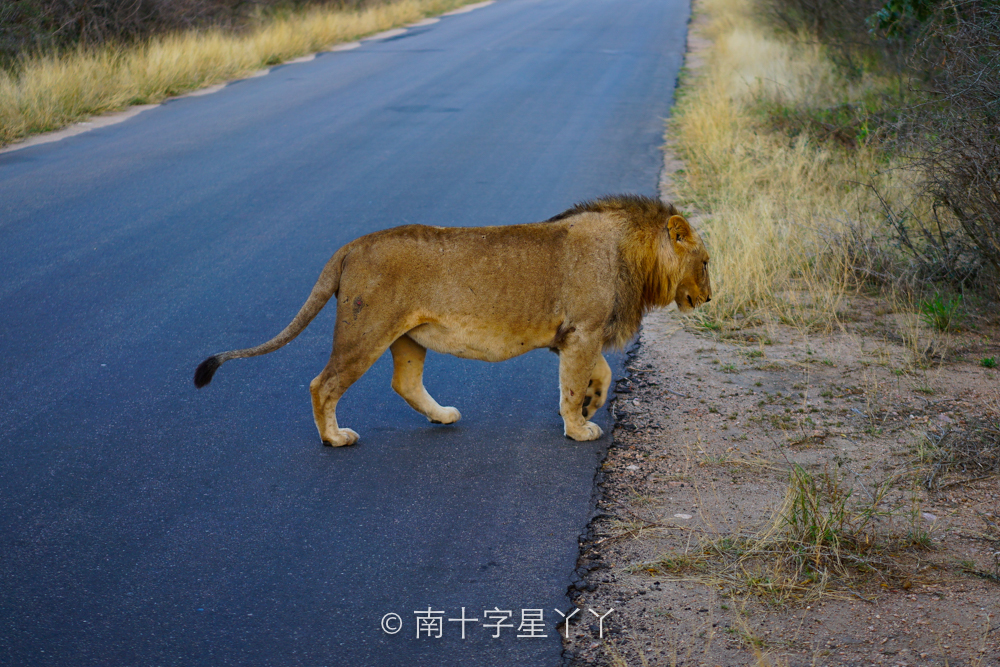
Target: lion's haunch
[{"x": 577, "y": 283}]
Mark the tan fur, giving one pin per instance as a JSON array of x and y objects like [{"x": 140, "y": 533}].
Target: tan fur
[{"x": 577, "y": 283}]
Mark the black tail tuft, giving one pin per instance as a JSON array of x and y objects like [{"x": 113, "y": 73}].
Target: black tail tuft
[{"x": 206, "y": 369}]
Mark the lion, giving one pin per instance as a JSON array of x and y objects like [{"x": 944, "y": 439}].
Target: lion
[{"x": 577, "y": 283}]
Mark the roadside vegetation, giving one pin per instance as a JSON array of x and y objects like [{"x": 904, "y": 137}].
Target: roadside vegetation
[
  {"x": 840, "y": 147},
  {"x": 62, "y": 62},
  {"x": 839, "y": 150}
]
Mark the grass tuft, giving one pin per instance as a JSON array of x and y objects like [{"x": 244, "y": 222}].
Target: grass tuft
[
  {"x": 826, "y": 538},
  {"x": 940, "y": 313}
]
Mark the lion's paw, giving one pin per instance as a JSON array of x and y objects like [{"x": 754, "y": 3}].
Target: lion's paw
[
  {"x": 589, "y": 431},
  {"x": 446, "y": 416},
  {"x": 340, "y": 438}
]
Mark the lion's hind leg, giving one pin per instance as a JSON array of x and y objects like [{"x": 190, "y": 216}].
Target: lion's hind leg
[
  {"x": 597, "y": 390},
  {"x": 326, "y": 390},
  {"x": 408, "y": 381},
  {"x": 356, "y": 346}
]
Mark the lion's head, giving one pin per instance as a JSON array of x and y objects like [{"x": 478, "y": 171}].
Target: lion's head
[{"x": 694, "y": 287}]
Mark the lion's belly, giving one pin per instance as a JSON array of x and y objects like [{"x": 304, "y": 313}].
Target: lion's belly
[{"x": 482, "y": 342}]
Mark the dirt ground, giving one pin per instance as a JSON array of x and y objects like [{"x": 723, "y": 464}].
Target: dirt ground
[{"x": 708, "y": 426}]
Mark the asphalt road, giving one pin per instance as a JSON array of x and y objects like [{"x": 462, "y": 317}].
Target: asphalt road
[{"x": 143, "y": 522}]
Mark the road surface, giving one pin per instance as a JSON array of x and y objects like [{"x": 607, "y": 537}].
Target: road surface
[{"x": 143, "y": 522}]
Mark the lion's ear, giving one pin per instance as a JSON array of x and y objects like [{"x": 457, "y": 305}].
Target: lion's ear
[{"x": 679, "y": 229}]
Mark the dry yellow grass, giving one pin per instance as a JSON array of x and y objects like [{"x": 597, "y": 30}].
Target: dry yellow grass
[
  {"x": 775, "y": 208},
  {"x": 54, "y": 90}
]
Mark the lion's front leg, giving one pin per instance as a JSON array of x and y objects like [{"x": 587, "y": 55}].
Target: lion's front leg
[
  {"x": 578, "y": 359},
  {"x": 408, "y": 381},
  {"x": 597, "y": 390}
]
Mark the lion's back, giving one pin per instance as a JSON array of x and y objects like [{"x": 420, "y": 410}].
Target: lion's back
[{"x": 507, "y": 273}]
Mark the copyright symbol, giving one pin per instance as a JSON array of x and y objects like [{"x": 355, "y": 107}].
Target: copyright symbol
[{"x": 391, "y": 623}]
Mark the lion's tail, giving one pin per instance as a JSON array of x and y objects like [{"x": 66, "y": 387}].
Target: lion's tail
[{"x": 326, "y": 286}]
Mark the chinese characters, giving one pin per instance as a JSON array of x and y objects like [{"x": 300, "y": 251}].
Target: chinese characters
[{"x": 530, "y": 624}]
